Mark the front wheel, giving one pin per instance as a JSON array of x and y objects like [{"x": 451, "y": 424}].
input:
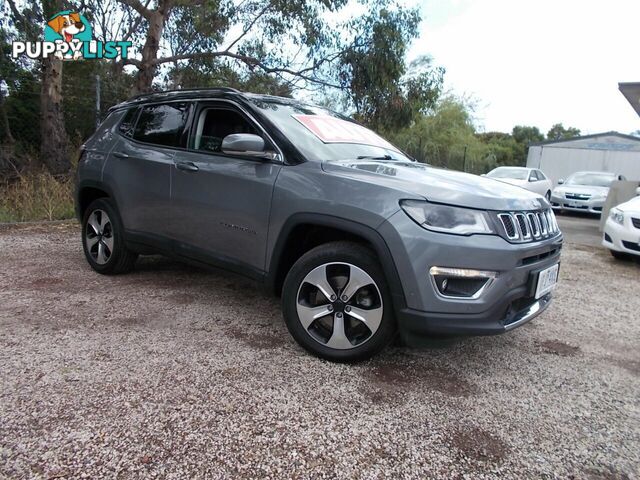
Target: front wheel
[
  {"x": 620, "y": 255},
  {"x": 336, "y": 303}
]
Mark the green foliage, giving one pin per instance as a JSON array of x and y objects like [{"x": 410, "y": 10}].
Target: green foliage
[
  {"x": 210, "y": 73},
  {"x": 444, "y": 137},
  {"x": 383, "y": 92},
  {"x": 558, "y": 132},
  {"x": 36, "y": 196}
]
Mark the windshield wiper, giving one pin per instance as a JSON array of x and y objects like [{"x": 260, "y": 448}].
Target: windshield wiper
[{"x": 373, "y": 157}]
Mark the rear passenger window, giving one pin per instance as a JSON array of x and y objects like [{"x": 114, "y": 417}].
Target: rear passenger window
[
  {"x": 128, "y": 122},
  {"x": 163, "y": 124}
]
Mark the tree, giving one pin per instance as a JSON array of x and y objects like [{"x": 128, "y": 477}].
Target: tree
[
  {"x": 54, "y": 148},
  {"x": 383, "y": 92},
  {"x": 558, "y": 132},
  {"x": 525, "y": 136},
  {"x": 445, "y": 136}
]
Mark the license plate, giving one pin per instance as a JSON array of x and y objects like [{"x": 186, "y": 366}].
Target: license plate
[
  {"x": 572, "y": 204},
  {"x": 547, "y": 280}
]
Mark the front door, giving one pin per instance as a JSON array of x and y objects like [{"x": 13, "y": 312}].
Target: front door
[{"x": 221, "y": 203}]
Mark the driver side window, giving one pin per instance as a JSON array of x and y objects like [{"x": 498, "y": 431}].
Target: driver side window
[
  {"x": 533, "y": 177},
  {"x": 213, "y": 124}
]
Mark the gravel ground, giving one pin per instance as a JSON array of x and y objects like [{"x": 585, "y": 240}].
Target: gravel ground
[{"x": 173, "y": 372}]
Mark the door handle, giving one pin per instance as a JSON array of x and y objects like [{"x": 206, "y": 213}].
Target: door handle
[
  {"x": 187, "y": 166},
  {"x": 120, "y": 155}
]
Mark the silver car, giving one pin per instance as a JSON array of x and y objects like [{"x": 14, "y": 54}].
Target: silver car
[
  {"x": 583, "y": 191},
  {"x": 530, "y": 179},
  {"x": 360, "y": 241}
]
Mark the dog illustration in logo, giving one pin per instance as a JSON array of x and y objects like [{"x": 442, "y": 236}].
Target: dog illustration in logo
[{"x": 67, "y": 26}]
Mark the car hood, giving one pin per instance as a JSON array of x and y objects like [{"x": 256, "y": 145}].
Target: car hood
[
  {"x": 439, "y": 185},
  {"x": 584, "y": 189},
  {"x": 511, "y": 181},
  {"x": 632, "y": 206}
]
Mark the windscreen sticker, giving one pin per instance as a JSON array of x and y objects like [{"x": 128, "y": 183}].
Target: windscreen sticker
[{"x": 335, "y": 130}]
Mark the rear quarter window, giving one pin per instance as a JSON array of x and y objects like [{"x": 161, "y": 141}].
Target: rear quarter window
[{"x": 163, "y": 124}]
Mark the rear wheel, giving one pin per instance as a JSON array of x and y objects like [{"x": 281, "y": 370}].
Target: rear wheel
[
  {"x": 336, "y": 303},
  {"x": 103, "y": 239}
]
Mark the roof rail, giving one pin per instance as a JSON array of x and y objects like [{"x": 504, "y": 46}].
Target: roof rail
[{"x": 212, "y": 89}]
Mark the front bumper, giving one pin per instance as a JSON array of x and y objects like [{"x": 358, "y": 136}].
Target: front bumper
[
  {"x": 588, "y": 206},
  {"x": 621, "y": 238},
  {"x": 509, "y": 301}
]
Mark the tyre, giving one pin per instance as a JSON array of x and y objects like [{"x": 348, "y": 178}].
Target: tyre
[
  {"x": 620, "y": 255},
  {"x": 336, "y": 303},
  {"x": 103, "y": 239}
]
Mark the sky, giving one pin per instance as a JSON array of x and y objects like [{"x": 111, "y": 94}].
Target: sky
[{"x": 537, "y": 62}]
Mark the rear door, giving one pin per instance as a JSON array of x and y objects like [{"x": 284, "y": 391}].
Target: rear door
[
  {"x": 140, "y": 165},
  {"x": 220, "y": 203}
]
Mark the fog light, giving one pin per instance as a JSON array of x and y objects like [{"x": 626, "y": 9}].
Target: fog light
[{"x": 461, "y": 283}]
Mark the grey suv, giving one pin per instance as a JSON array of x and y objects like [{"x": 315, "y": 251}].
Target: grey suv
[{"x": 359, "y": 240}]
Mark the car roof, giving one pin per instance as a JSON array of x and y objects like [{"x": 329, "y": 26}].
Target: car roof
[
  {"x": 595, "y": 173},
  {"x": 199, "y": 94}
]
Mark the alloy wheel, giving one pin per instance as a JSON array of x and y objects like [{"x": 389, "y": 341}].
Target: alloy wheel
[
  {"x": 99, "y": 236},
  {"x": 339, "y": 305}
]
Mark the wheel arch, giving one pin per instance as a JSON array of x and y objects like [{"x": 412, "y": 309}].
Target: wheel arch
[
  {"x": 296, "y": 238},
  {"x": 88, "y": 191}
]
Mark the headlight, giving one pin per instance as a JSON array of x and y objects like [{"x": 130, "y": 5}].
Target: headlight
[
  {"x": 447, "y": 219},
  {"x": 617, "y": 216}
]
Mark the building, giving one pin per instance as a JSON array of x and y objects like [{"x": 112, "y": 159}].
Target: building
[{"x": 602, "y": 152}]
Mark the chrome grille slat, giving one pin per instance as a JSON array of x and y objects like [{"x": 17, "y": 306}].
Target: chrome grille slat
[{"x": 528, "y": 226}]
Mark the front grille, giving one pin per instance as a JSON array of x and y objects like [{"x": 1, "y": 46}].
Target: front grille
[
  {"x": 636, "y": 222},
  {"x": 520, "y": 227},
  {"x": 631, "y": 246},
  {"x": 577, "y": 196}
]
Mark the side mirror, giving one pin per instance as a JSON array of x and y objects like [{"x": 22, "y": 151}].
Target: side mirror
[
  {"x": 638, "y": 191},
  {"x": 561, "y": 181},
  {"x": 483, "y": 175},
  {"x": 246, "y": 144}
]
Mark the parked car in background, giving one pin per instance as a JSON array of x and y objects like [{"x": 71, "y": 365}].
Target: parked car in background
[
  {"x": 622, "y": 229},
  {"x": 530, "y": 179},
  {"x": 583, "y": 191}
]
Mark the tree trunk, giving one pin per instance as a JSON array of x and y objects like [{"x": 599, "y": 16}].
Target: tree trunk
[
  {"x": 147, "y": 69},
  {"x": 54, "y": 145},
  {"x": 4, "y": 120}
]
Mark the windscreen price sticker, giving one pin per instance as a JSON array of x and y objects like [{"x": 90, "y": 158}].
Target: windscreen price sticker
[{"x": 335, "y": 130}]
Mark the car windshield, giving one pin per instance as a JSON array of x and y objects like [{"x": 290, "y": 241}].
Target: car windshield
[
  {"x": 513, "y": 173},
  {"x": 321, "y": 134},
  {"x": 589, "y": 179}
]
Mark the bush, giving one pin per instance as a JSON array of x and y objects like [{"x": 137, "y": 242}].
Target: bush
[{"x": 36, "y": 196}]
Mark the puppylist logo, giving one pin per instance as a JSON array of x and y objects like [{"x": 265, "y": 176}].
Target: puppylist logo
[{"x": 68, "y": 36}]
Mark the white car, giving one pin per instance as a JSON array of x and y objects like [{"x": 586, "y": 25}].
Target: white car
[
  {"x": 530, "y": 179},
  {"x": 583, "y": 191},
  {"x": 622, "y": 229}
]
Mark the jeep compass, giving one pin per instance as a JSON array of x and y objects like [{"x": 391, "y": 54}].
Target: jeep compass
[{"x": 360, "y": 241}]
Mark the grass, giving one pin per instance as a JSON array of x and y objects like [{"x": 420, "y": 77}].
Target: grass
[{"x": 36, "y": 196}]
